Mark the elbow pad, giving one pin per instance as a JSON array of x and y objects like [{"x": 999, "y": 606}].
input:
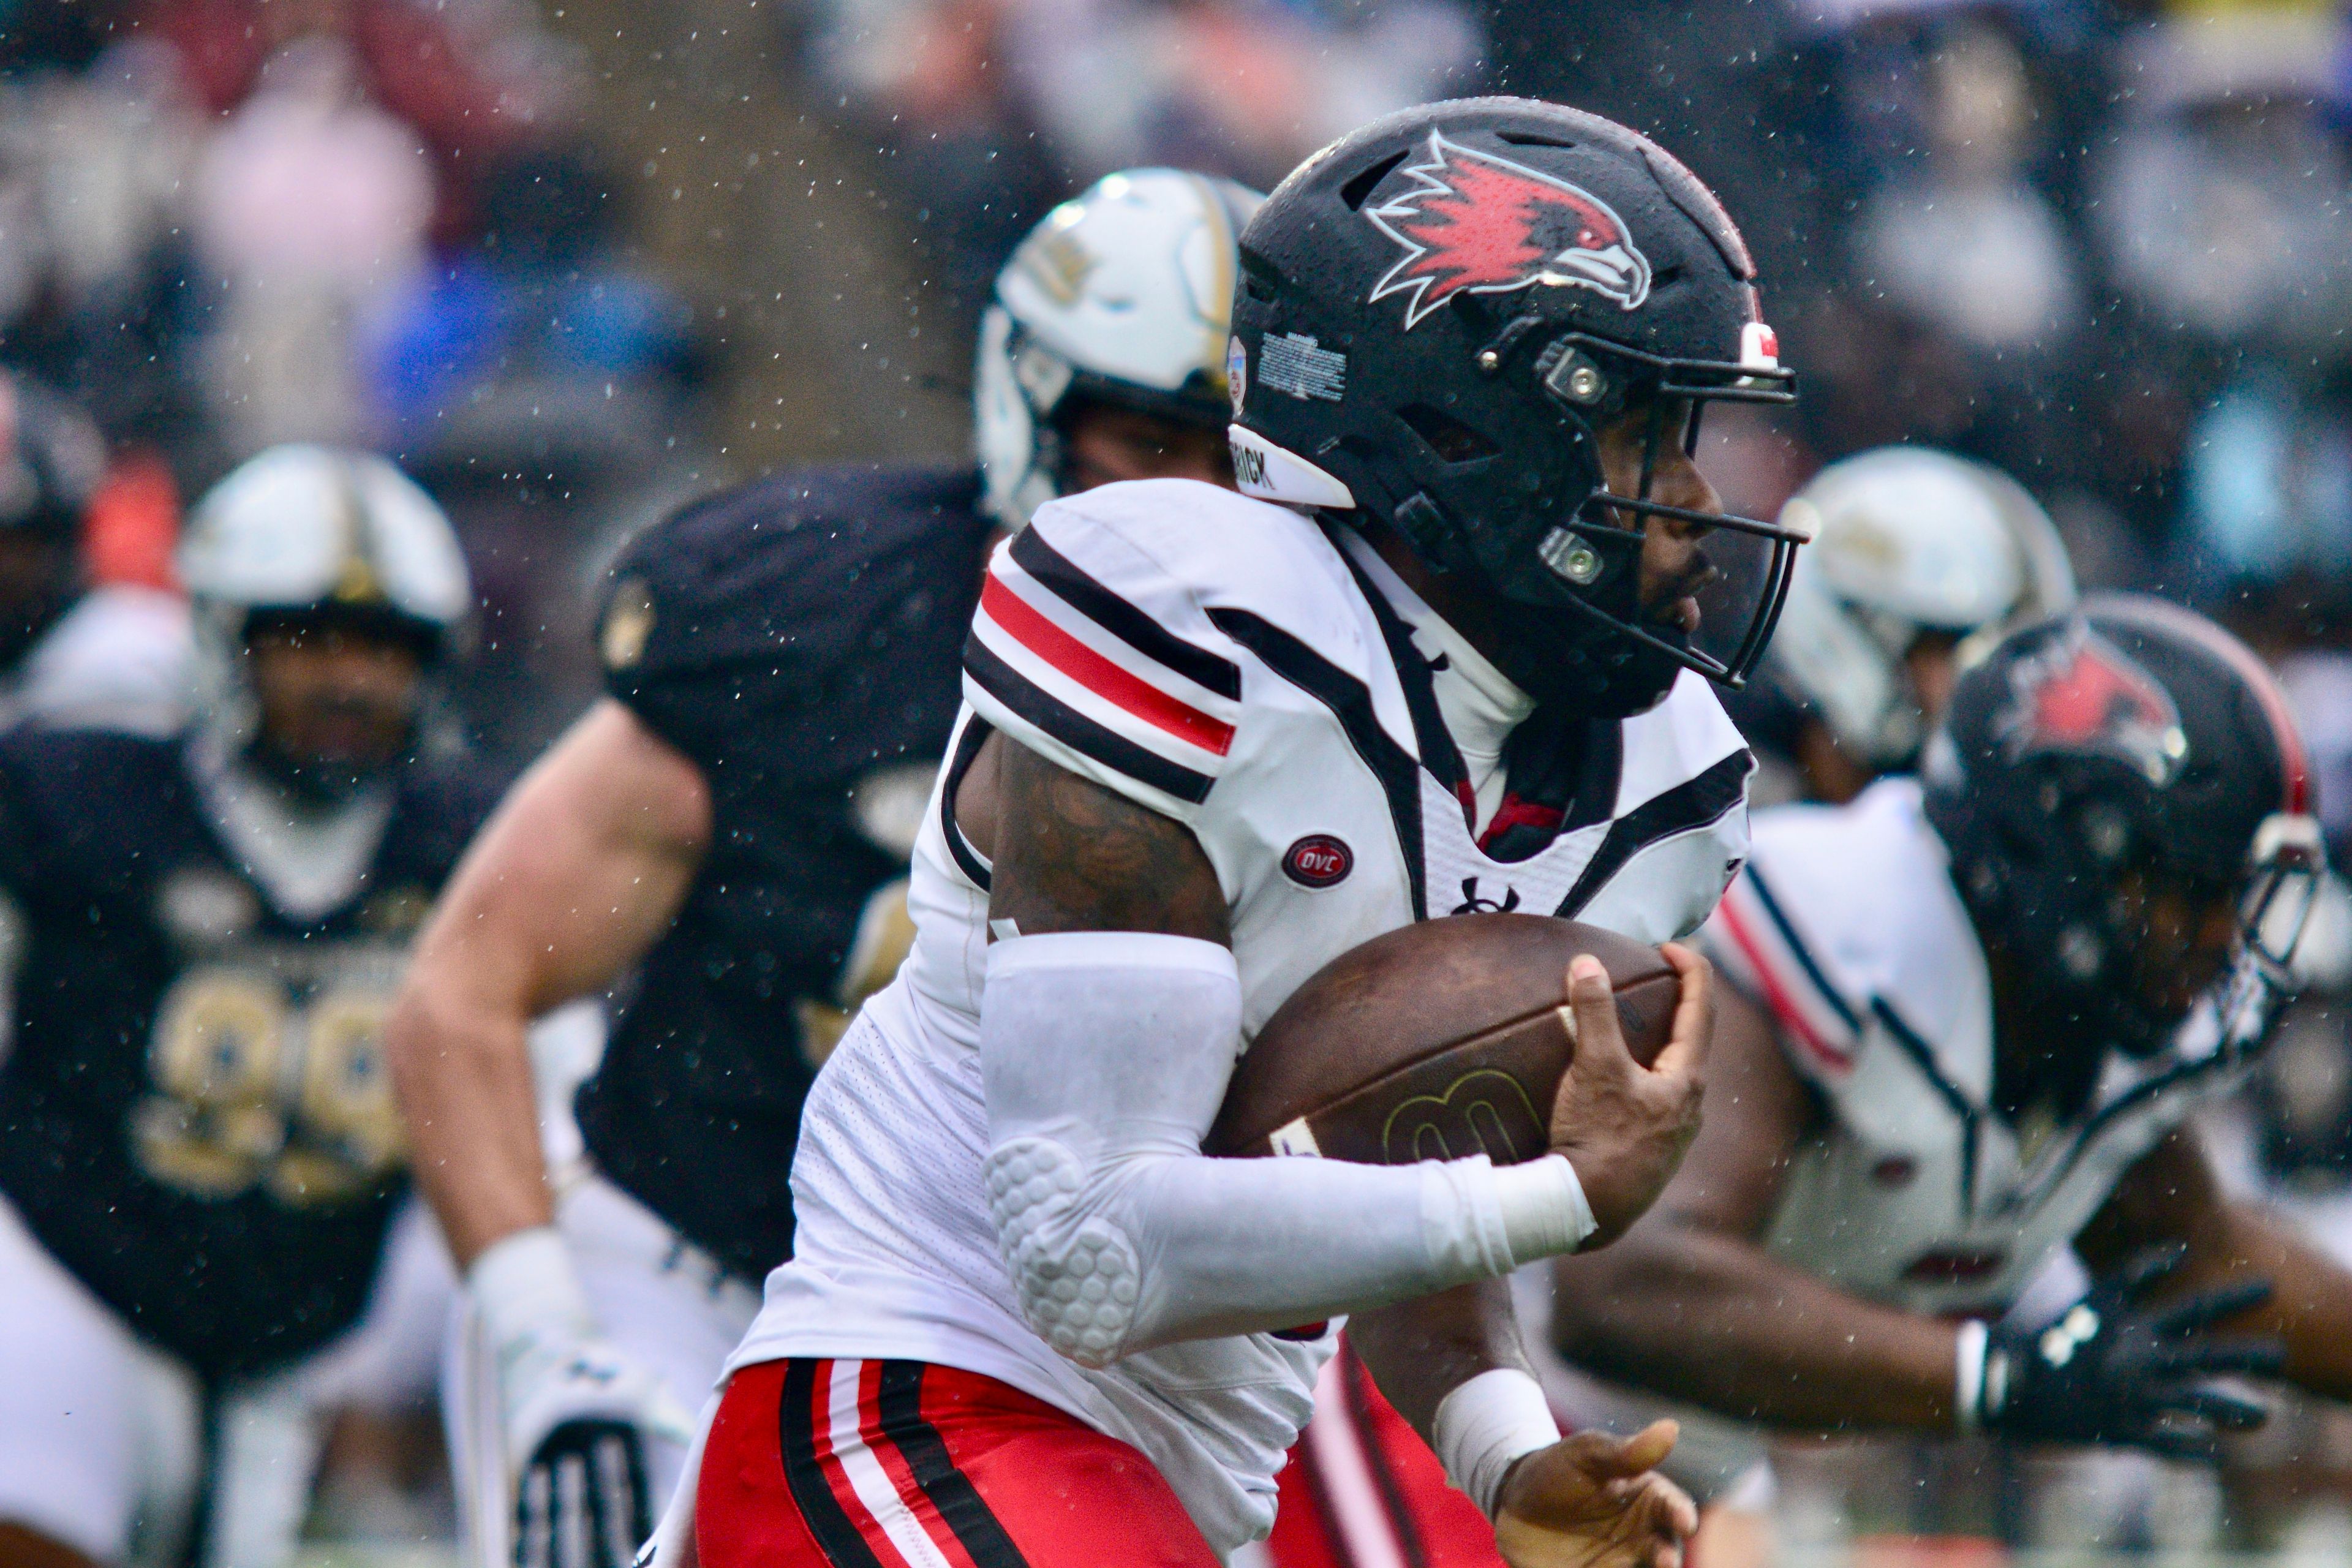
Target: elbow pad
[
  {"x": 1104, "y": 1058},
  {"x": 1075, "y": 1276},
  {"x": 1098, "y": 1050}
]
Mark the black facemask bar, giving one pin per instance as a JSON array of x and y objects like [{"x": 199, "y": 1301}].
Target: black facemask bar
[{"x": 1596, "y": 380}]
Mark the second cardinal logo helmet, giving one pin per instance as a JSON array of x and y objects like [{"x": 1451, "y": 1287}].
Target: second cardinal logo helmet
[
  {"x": 2084, "y": 694},
  {"x": 1475, "y": 223}
]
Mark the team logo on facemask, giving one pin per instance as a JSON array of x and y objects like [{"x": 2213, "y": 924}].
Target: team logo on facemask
[
  {"x": 1476, "y": 223},
  {"x": 2082, "y": 693}
]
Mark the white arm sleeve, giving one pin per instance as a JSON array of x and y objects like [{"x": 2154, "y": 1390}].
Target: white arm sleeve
[{"x": 1104, "y": 1056}]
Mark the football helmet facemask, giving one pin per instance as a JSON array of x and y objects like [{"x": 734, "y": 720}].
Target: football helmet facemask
[
  {"x": 2097, "y": 759},
  {"x": 1439, "y": 316}
]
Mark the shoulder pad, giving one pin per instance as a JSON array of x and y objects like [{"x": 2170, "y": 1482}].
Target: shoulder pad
[
  {"x": 1098, "y": 641},
  {"x": 775, "y": 564},
  {"x": 750, "y": 599},
  {"x": 1838, "y": 908},
  {"x": 1680, "y": 740},
  {"x": 118, "y": 659},
  {"x": 1785, "y": 935},
  {"x": 73, "y": 795},
  {"x": 1223, "y": 550}
]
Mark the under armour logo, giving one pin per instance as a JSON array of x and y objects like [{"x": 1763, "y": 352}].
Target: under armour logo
[
  {"x": 2062, "y": 1339},
  {"x": 1472, "y": 904}
]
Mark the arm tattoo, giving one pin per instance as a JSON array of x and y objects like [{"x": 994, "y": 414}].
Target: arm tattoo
[{"x": 1072, "y": 856}]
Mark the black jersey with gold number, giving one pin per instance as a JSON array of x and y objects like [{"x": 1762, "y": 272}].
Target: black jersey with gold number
[
  {"x": 195, "y": 1117},
  {"x": 796, "y": 640}
]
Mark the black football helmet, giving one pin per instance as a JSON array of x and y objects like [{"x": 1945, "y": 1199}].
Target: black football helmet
[
  {"x": 2128, "y": 738},
  {"x": 1436, "y": 318}
]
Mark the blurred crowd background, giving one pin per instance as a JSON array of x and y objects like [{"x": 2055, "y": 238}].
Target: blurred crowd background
[{"x": 572, "y": 261}]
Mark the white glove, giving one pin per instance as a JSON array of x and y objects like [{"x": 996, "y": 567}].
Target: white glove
[{"x": 576, "y": 1412}]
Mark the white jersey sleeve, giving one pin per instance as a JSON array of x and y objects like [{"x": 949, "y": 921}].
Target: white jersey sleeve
[
  {"x": 1091, "y": 653},
  {"x": 1766, "y": 937},
  {"x": 1844, "y": 925}
]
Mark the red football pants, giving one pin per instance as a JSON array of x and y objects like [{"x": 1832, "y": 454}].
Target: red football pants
[
  {"x": 1362, "y": 1491},
  {"x": 901, "y": 1463}
]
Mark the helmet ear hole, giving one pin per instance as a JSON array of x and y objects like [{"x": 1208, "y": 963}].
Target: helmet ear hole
[
  {"x": 1528, "y": 139},
  {"x": 1452, "y": 440},
  {"x": 1354, "y": 192},
  {"x": 1261, "y": 278}
]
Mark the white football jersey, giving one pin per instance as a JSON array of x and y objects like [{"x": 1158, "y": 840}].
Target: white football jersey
[
  {"x": 1273, "y": 686},
  {"x": 1916, "y": 1192}
]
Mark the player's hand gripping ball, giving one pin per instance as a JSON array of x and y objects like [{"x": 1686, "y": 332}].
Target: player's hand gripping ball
[{"x": 1459, "y": 1036}]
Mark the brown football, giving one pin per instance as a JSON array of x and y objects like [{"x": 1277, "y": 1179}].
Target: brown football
[{"x": 1437, "y": 1040}]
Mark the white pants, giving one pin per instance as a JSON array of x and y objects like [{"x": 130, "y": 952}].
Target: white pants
[
  {"x": 100, "y": 1442},
  {"x": 661, "y": 1300}
]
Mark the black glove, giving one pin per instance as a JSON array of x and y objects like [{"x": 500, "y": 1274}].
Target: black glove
[
  {"x": 582, "y": 1499},
  {"x": 2110, "y": 1370}
]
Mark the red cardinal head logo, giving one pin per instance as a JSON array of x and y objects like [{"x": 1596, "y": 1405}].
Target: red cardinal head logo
[
  {"x": 2082, "y": 693},
  {"x": 1473, "y": 223}
]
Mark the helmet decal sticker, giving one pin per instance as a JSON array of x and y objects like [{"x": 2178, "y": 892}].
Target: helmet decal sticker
[
  {"x": 1301, "y": 366},
  {"x": 2082, "y": 693},
  {"x": 1474, "y": 223},
  {"x": 1056, "y": 260},
  {"x": 1236, "y": 374}
]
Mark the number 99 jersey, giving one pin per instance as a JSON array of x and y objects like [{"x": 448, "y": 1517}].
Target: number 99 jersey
[{"x": 195, "y": 1116}]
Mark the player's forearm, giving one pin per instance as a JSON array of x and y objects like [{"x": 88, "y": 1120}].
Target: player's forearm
[
  {"x": 1418, "y": 1351},
  {"x": 1452, "y": 1364},
  {"x": 2310, "y": 1307},
  {"x": 579, "y": 873},
  {"x": 1716, "y": 1321},
  {"x": 1104, "y": 1056},
  {"x": 464, "y": 1076},
  {"x": 2173, "y": 1196},
  {"x": 1232, "y": 1246}
]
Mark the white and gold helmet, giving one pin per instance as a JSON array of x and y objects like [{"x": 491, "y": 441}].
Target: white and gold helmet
[
  {"x": 1122, "y": 294},
  {"x": 1907, "y": 540},
  {"x": 303, "y": 527}
]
